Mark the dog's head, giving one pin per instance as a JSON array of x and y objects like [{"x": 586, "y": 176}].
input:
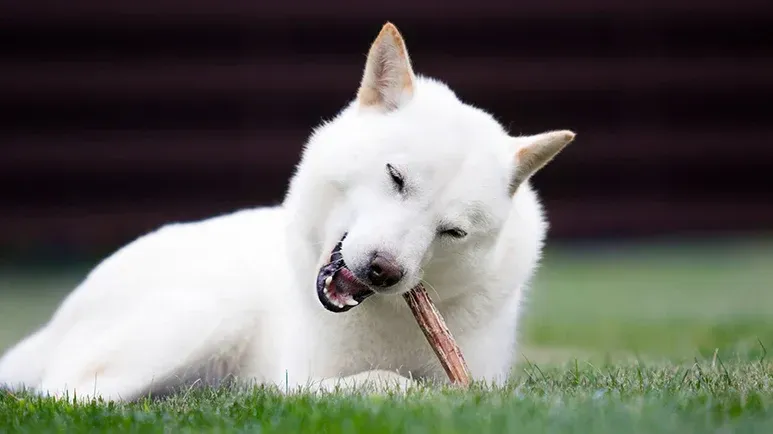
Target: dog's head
[{"x": 406, "y": 175}]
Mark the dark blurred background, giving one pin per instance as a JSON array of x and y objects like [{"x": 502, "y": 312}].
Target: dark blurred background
[{"x": 118, "y": 118}]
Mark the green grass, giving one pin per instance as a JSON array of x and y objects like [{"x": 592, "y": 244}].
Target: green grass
[
  {"x": 656, "y": 339},
  {"x": 659, "y": 300},
  {"x": 582, "y": 398}
]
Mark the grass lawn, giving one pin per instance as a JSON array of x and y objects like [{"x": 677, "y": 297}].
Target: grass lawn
[{"x": 622, "y": 339}]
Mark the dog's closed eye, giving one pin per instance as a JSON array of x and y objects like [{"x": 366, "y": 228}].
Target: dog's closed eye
[
  {"x": 397, "y": 178},
  {"x": 452, "y": 232}
]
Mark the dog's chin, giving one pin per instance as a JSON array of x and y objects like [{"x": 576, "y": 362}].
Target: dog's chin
[{"x": 338, "y": 289}]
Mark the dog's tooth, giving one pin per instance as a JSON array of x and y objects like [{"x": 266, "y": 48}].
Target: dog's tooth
[
  {"x": 328, "y": 280},
  {"x": 352, "y": 302}
]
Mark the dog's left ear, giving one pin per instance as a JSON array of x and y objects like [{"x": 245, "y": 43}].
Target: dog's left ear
[
  {"x": 387, "y": 81},
  {"x": 534, "y": 152}
]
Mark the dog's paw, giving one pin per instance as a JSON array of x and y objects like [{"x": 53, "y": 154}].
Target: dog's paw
[{"x": 376, "y": 381}]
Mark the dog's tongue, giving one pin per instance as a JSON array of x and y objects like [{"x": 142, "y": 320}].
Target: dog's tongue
[
  {"x": 346, "y": 284},
  {"x": 342, "y": 291}
]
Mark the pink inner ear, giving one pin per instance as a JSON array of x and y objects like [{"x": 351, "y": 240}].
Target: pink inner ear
[
  {"x": 524, "y": 162},
  {"x": 522, "y": 153}
]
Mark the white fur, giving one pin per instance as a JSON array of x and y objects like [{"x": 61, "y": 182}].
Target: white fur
[{"x": 235, "y": 296}]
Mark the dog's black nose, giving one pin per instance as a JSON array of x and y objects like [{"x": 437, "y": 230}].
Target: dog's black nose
[{"x": 383, "y": 270}]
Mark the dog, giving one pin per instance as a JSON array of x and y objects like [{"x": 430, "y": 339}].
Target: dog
[{"x": 407, "y": 184}]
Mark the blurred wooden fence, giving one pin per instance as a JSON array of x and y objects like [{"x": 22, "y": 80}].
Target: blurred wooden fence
[{"x": 119, "y": 118}]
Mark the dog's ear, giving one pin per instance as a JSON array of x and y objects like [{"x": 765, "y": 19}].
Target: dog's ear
[
  {"x": 387, "y": 81},
  {"x": 534, "y": 152}
]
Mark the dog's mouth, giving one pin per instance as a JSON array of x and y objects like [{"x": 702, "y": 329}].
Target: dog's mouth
[{"x": 337, "y": 287}]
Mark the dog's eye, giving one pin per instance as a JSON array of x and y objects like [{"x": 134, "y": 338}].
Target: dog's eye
[
  {"x": 453, "y": 232},
  {"x": 397, "y": 178}
]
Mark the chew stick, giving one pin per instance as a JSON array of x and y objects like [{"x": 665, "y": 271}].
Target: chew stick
[{"x": 436, "y": 332}]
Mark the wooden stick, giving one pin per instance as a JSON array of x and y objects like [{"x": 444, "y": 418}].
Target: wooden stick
[{"x": 438, "y": 335}]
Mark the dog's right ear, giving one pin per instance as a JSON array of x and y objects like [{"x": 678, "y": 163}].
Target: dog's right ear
[{"x": 387, "y": 82}]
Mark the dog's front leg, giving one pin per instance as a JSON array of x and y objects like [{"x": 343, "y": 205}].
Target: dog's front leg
[{"x": 375, "y": 381}]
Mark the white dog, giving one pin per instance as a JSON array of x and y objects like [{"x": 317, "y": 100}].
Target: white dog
[{"x": 406, "y": 184}]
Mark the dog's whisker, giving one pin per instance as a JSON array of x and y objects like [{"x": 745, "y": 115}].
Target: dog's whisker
[{"x": 430, "y": 287}]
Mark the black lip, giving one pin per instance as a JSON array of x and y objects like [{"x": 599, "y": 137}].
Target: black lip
[
  {"x": 324, "y": 273},
  {"x": 336, "y": 264}
]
